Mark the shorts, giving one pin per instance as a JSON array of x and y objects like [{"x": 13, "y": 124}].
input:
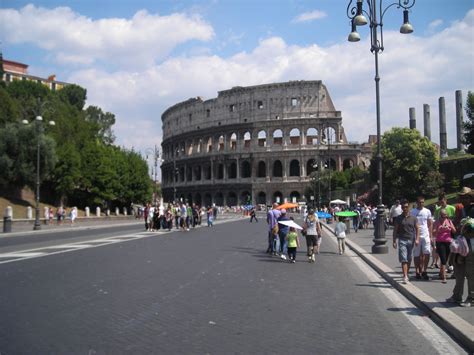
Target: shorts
[
  {"x": 442, "y": 248},
  {"x": 405, "y": 249},
  {"x": 423, "y": 246},
  {"x": 312, "y": 240}
]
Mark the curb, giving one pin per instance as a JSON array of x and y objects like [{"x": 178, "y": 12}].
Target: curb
[{"x": 454, "y": 325}]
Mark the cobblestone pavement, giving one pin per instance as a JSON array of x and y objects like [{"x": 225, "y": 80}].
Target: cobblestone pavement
[{"x": 209, "y": 290}]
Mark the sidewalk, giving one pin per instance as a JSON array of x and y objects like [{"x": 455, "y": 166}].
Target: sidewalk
[{"x": 429, "y": 296}]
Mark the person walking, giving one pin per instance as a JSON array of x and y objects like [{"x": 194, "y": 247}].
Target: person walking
[
  {"x": 210, "y": 216},
  {"x": 253, "y": 215},
  {"x": 395, "y": 211},
  {"x": 73, "y": 215},
  {"x": 443, "y": 229},
  {"x": 312, "y": 231},
  {"x": 340, "y": 231},
  {"x": 407, "y": 231},
  {"x": 272, "y": 221},
  {"x": 463, "y": 249},
  {"x": 293, "y": 243},
  {"x": 282, "y": 233},
  {"x": 146, "y": 210},
  {"x": 422, "y": 251}
]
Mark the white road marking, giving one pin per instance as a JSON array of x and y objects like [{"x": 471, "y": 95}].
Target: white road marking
[
  {"x": 67, "y": 246},
  {"x": 440, "y": 340},
  {"x": 21, "y": 254}
]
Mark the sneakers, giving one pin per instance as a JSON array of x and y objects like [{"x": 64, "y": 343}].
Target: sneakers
[
  {"x": 293, "y": 261},
  {"x": 313, "y": 258},
  {"x": 425, "y": 276},
  {"x": 283, "y": 256},
  {"x": 405, "y": 280},
  {"x": 466, "y": 304},
  {"x": 450, "y": 269},
  {"x": 418, "y": 276}
]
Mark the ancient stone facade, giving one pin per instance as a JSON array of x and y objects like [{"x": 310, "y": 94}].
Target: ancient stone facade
[{"x": 255, "y": 144}]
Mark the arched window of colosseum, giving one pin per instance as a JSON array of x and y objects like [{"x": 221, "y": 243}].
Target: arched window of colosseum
[
  {"x": 199, "y": 146},
  {"x": 278, "y": 137},
  {"x": 262, "y": 198},
  {"x": 207, "y": 172},
  {"x": 294, "y": 168},
  {"x": 197, "y": 172},
  {"x": 311, "y": 166},
  {"x": 231, "y": 199},
  {"x": 312, "y": 136},
  {"x": 329, "y": 136},
  {"x": 330, "y": 163},
  {"x": 233, "y": 141},
  {"x": 262, "y": 169},
  {"x": 247, "y": 139},
  {"x": 277, "y": 169},
  {"x": 233, "y": 170},
  {"x": 347, "y": 164},
  {"x": 262, "y": 139},
  {"x": 182, "y": 149},
  {"x": 295, "y": 136},
  {"x": 189, "y": 174},
  {"x": 246, "y": 169},
  {"x": 209, "y": 145},
  {"x": 218, "y": 199},
  {"x": 189, "y": 199},
  {"x": 245, "y": 198},
  {"x": 220, "y": 171},
  {"x": 190, "y": 148},
  {"x": 294, "y": 196},
  {"x": 198, "y": 199},
  {"x": 221, "y": 144},
  {"x": 278, "y": 197}
]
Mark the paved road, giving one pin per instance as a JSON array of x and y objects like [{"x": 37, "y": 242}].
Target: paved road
[{"x": 211, "y": 290}]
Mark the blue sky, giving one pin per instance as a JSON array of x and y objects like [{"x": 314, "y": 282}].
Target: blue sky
[{"x": 136, "y": 58}]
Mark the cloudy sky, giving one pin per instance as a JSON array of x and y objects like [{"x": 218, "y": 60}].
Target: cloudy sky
[{"x": 136, "y": 58}]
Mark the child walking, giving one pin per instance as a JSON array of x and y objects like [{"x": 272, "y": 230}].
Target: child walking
[
  {"x": 293, "y": 243},
  {"x": 340, "y": 231}
]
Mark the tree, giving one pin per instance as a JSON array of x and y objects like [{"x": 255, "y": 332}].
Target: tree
[
  {"x": 103, "y": 123},
  {"x": 469, "y": 123},
  {"x": 410, "y": 165},
  {"x": 8, "y": 108},
  {"x": 74, "y": 95}
]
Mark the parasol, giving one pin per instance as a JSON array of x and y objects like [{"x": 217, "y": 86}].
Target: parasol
[
  {"x": 287, "y": 205},
  {"x": 290, "y": 223},
  {"x": 346, "y": 214}
]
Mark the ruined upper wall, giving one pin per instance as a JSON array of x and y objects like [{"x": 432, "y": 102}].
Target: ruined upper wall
[{"x": 244, "y": 105}]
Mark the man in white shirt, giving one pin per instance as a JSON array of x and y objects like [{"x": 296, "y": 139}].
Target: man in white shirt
[
  {"x": 422, "y": 251},
  {"x": 395, "y": 211}
]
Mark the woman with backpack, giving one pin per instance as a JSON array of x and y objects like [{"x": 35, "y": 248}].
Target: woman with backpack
[{"x": 312, "y": 232}]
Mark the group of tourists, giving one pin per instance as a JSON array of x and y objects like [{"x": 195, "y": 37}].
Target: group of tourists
[
  {"x": 446, "y": 234},
  {"x": 181, "y": 216},
  {"x": 283, "y": 239},
  {"x": 61, "y": 215}
]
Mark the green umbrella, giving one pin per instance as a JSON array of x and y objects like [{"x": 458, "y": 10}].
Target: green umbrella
[{"x": 346, "y": 214}]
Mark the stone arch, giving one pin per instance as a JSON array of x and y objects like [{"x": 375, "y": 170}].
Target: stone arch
[
  {"x": 220, "y": 144},
  {"x": 295, "y": 136},
  {"x": 262, "y": 198},
  {"x": 197, "y": 172},
  {"x": 278, "y": 197},
  {"x": 261, "y": 169},
  {"x": 330, "y": 163},
  {"x": 220, "y": 171},
  {"x": 207, "y": 172},
  {"x": 347, "y": 164},
  {"x": 189, "y": 199},
  {"x": 198, "y": 199},
  {"x": 247, "y": 140},
  {"x": 329, "y": 135},
  {"x": 208, "y": 199},
  {"x": 189, "y": 174},
  {"x": 295, "y": 168},
  {"x": 277, "y": 137},
  {"x": 190, "y": 148},
  {"x": 233, "y": 141},
  {"x": 209, "y": 145},
  {"x": 312, "y": 137},
  {"x": 311, "y": 165},
  {"x": 277, "y": 168},
  {"x": 232, "y": 170},
  {"x": 294, "y": 196},
  {"x": 219, "y": 199},
  {"x": 262, "y": 138},
  {"x": 232, "y": 199},
  {"x": 199, "y": 146},
  {"x": 246, "y": 171}
]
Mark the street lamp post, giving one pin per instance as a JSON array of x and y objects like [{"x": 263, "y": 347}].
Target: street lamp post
[
  {"x": 156, "y": 156},
  {"x": 38, "y": 122},
  {"x": 356, "y": 14}
]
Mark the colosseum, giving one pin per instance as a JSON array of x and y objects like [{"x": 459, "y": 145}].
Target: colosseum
[{"x": 256, "y": 144}]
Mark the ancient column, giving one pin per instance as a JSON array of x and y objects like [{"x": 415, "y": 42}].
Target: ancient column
[
  {"x": 412, "y": 113},
  {"x": 459, "y": 120},
  {"x": 443, "y": 142},
  {"x": 426, "y": 121}
]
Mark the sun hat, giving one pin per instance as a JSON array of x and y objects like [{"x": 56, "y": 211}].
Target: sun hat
[{"x": 465, "y": 191}]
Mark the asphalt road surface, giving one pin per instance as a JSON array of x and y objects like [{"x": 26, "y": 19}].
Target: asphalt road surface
[{"x": 206, "y": 291}]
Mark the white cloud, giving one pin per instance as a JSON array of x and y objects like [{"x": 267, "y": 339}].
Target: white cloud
[
  {"x": 78, "y": 39},
  {"x": 434, "y": 25},
  {"x": 309, "y": 16}
]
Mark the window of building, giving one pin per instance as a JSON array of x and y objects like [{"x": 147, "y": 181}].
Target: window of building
[
  {"x": 232, "y": 108},
  {"x": 294, "y": 102},
  {"x": 8, "y": 77},
  {"x": 260, "y": 105},
  {"x": 208, "y": 113}
]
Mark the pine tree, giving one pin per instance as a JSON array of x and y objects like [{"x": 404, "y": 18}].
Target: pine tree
[{"x": 469, "y": 123}]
